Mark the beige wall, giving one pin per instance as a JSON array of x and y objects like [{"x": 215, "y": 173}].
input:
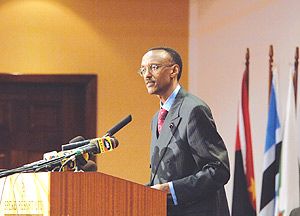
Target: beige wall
[
  {"x": 220, "y": 32},
  {"x": 107, "y": 38}
]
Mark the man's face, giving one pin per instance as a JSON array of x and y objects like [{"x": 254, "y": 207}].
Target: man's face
[{"x": 157, "y": 81}]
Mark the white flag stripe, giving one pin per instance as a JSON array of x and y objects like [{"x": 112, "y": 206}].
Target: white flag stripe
[
  {"x": 242, "y": 134},
  {"x": 289, "y": 172},
  {"x": 278, "y": 135},
  {"x": 277, "y": 96},
  {"x": 269, "y": 157},
  {"x": 277, "y": 93},
  {"x": 268, "y": 210}
]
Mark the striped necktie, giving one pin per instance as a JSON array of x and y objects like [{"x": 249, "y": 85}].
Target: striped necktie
[{"x": 161, "y": 119}]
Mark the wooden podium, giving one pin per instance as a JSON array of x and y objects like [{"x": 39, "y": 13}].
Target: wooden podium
[{"x": 80, "y": 193}]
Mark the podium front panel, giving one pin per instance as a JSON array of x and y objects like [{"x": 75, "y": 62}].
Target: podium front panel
[{"x": 79, "y": 193}]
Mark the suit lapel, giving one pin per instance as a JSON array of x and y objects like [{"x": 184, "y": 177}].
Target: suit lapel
[
  {"x": 169, "y": 128},
  {"x": 171, "y": 122}
]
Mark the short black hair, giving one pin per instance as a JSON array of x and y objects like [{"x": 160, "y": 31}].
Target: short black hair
[{"x": 175, "y": 57}]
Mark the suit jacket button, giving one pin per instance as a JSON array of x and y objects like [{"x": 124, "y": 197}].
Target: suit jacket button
[{"x": 171, "y": 126}]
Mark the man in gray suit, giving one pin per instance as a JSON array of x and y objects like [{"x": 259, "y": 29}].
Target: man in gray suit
[{"x": 188, "y": 157}]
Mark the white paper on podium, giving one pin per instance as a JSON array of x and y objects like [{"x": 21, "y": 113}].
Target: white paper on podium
[{"x": 24, "y": 194}]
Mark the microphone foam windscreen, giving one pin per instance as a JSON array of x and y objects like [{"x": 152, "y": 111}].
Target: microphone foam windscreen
[{"x": 90, "y": 166}]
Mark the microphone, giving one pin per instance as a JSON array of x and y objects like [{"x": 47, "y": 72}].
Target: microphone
[
  {"x": 75, "y": 144},
  {"x": 79, "y": 156},
  {"x": 54, "y": 154},
  {"x": 99, "y": 145},
  {"x": 56, "y": 159},
  {"x": 81, "y": 162},
  {"x": 119, "y": 126},
  {"x": 79, "y": 140},
  {"x": 70, "y": 164}
]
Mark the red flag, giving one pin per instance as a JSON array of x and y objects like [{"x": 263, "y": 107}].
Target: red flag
[{"x": 244, "y": 197}]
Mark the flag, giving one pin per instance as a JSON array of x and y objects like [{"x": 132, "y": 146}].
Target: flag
[
  {"x": 244, "y": 197},
  {"x": 288, "y": 188},
  {"x": 298, "y": 121},
  {"x": 272, "y": 153}
]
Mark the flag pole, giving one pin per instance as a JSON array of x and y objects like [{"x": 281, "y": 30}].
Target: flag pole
[
  {"x": 271, "y": 54},
  {"x": 247, "y": 69},
  {"x": 295, "y": 75}
]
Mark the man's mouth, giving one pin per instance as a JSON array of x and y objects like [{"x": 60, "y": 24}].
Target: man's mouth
[{"x": 150, "y": 83}]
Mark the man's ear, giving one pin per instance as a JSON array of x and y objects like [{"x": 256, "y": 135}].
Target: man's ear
[{"x": 175, "y": 71}]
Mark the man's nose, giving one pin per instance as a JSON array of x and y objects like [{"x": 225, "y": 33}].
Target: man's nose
[{"x": 147, "y": 72}]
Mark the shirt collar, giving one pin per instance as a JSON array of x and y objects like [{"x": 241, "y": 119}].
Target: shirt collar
[{"x": 167, "y": 105}]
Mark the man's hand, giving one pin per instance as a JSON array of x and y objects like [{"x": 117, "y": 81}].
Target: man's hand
[{"x": 163, "y": 187}]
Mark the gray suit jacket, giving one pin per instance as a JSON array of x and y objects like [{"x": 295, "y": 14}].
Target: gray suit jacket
[
  {"x": 295, "y": 212},
  {"x": 190, "y": 153}
]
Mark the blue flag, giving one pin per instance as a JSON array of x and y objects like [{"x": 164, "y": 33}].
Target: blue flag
[{"x": 271, "y": 154}]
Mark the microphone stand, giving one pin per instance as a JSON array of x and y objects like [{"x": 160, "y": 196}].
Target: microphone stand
[
  {"x": 80, "y": 161},
  {"x": 38, "y": 165}
]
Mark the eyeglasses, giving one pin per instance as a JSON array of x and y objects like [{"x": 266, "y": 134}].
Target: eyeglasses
[{"x": 153, "y": 68}]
